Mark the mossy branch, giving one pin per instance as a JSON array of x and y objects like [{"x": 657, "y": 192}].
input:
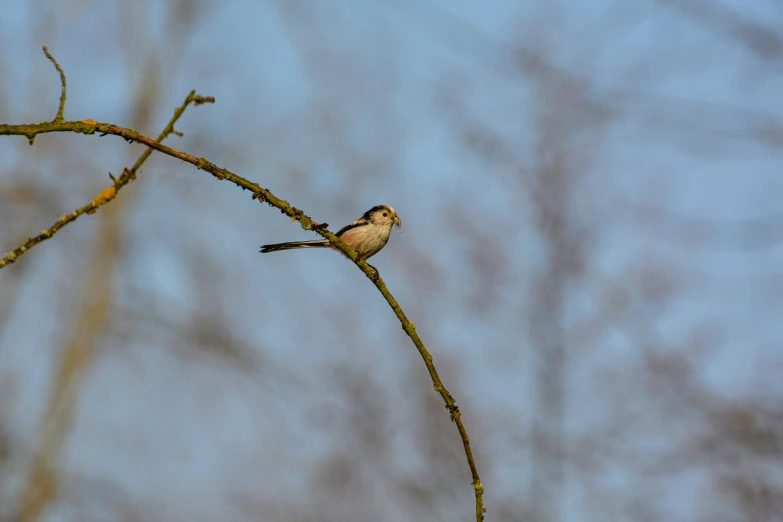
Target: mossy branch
[
  {"x": 108, "y": 193},
  {"x": 263, "y": 195}
]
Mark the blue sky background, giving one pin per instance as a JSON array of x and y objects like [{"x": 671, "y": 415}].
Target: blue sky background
[{"x": 227, "y": 385}]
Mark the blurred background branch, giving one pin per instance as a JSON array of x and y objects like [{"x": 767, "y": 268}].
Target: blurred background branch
[{"x": 42, "y": 484}]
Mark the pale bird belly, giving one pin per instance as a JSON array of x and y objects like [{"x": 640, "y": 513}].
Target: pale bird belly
[{"x": 366, "y": 242}]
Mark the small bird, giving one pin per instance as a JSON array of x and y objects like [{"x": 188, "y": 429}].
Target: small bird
[{"x": 367, "y": 235}]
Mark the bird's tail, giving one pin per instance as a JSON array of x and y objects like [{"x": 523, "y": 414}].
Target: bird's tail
[{"x": 316, "y": 243}]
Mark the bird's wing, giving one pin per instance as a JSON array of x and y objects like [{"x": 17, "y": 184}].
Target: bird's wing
[{"x": 359, "y": 222}]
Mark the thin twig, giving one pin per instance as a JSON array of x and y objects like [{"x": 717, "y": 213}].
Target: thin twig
[
  {"x": 108, "y": 193},
  {"x": 61, "y": 109}
]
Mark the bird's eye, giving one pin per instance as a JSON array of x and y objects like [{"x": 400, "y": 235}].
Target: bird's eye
[{"x": 385, "y": 214}]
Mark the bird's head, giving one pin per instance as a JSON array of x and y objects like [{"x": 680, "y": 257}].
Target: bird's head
[{"x": 383, "y": 215}]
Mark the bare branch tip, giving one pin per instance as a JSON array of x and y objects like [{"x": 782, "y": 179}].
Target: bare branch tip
[
  {"x": 201, "y": 100},
  {"x": 61, "y": 108}
]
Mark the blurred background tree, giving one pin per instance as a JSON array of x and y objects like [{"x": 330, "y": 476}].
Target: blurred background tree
[{"x": 592, "y": 251}]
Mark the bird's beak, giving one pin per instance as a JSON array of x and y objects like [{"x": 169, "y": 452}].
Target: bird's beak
[{"x": 397, "y": 221}]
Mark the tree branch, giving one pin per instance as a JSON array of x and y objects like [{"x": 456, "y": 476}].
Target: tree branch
[
  {"x": 263, "y": 195},
  {"x": 108, "y": 193}
]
